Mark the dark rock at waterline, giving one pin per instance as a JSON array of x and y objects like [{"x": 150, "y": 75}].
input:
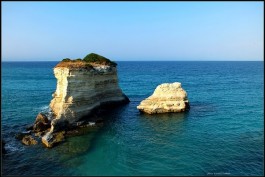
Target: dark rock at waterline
[
  {"x": 42, "y": 118},
  {"x": 41, "y": 123},
  {"x": 29, "y": 127},
  {"x": 51, "y": 139},
  {"x": 29, "y": 140},
  {"x": 60, "y": 125},
  {"x": 40, "y": 126},
  {"x": 26, "y": 138},
  {"x": 21, "y": 135}
]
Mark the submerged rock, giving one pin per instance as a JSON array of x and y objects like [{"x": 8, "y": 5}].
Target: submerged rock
[
  {"x": 167, "y": 97},
  {"x": 29, "y": 140}
]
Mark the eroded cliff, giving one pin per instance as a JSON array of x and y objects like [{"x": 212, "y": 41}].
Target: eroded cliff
[
  {"x": 80, "y": 90},
  {"x": 82, "y": 87}
]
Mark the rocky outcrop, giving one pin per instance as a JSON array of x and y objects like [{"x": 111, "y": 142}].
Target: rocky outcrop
[
  {"x": 41, "y": 126},
  {"x": 80, "y": 90},
  {"x": 29, "y": 140},
  {"x": 167, "y": 97},
  {"x": 51, "y": 139},
  {"x": 41, "y": 123},
  {"x": 82, "y": 87}
]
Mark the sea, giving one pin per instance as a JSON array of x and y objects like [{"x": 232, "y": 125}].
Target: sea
[{"x": 221, "y": 134}]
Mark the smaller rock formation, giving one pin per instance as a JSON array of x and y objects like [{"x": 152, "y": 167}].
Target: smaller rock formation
[
  {"x": 41, "y": 123},
  {"x": 168, "y": 97},
  {"x": 41, "y": 126},
  {"x": 29, "y": 140}
]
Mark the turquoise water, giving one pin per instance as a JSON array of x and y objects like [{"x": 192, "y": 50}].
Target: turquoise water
[{"x": 221, "y": 134}]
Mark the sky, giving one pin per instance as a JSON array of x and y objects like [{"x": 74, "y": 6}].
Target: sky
[{"x": 133, "y": 31}]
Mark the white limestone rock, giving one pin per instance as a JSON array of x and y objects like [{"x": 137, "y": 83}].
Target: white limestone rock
[
  {"x": 167, "y": 97},
  {"x": 80, "y": 90}
]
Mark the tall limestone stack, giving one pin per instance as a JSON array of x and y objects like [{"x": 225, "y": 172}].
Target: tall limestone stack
[
  {"x": 167, "y": 97},
  {"x": 83, "y": 86}
]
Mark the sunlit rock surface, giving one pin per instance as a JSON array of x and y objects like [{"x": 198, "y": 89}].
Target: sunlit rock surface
[
  {"x": 81, "y": 88},
  {"x": 167, "y": 97}
]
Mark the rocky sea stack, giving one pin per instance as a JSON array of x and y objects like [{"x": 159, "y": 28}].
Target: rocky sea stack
[
  {"x": 83, "y": 86},
  {"x": 167, "y": 97}
]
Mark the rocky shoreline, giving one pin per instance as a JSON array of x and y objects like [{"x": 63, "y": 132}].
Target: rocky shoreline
[
  {"x": 35, "y": 132},
  {"x": 40, "y": 130}
]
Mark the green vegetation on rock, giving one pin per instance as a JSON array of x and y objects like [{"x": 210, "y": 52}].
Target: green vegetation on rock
[
  {"x": 93, "y": 58},
  {"x": 66, "y": 60},
  {"x": 78, "y": 59}
]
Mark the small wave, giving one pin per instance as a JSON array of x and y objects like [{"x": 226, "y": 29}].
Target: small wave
[
  {"x": 44, "y": 108},
  {"x": 47, "y": 110},
  {"x": 12, "y": 147}
]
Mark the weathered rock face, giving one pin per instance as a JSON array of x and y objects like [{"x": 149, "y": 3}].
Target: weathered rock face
[
  {"x": 50, "y": 139},
  {"x": 41, "y": 123},
  {"x": 80, "y": 90},
  {"x": 168, "y": 97}
]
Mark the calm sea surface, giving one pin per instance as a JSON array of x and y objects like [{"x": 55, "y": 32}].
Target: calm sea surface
[{"x": 221, "y": 134}]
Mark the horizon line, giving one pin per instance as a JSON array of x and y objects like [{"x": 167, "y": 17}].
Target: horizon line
[{"x": 134, "y": 60}]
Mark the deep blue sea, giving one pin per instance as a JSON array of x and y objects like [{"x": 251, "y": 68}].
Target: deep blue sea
[{"x": 222, "y": 134}]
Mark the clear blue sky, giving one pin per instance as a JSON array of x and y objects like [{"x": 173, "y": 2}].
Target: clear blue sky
[{"x": 39, "y": 31}]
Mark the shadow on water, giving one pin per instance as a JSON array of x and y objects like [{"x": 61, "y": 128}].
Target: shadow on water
[
  {"x": 68, "y": 152},
  {"x": 165, "y": 116},
  {"x": 77, "y": 146},
  {"x": 125, "y": 123},
  {"x": 205, "y": 106},
  {"x": 61, "y": 157},
  {"x": 164, "y": 123}
]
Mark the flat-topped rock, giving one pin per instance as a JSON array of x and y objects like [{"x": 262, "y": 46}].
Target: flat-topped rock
[
  {"x": 81, "y": 89},
  {"x": 167, "y": 97},
  {"x": 83, "y": 85}
]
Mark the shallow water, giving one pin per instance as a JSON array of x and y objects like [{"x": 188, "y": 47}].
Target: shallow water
[{"x": 221, "y": 134}]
